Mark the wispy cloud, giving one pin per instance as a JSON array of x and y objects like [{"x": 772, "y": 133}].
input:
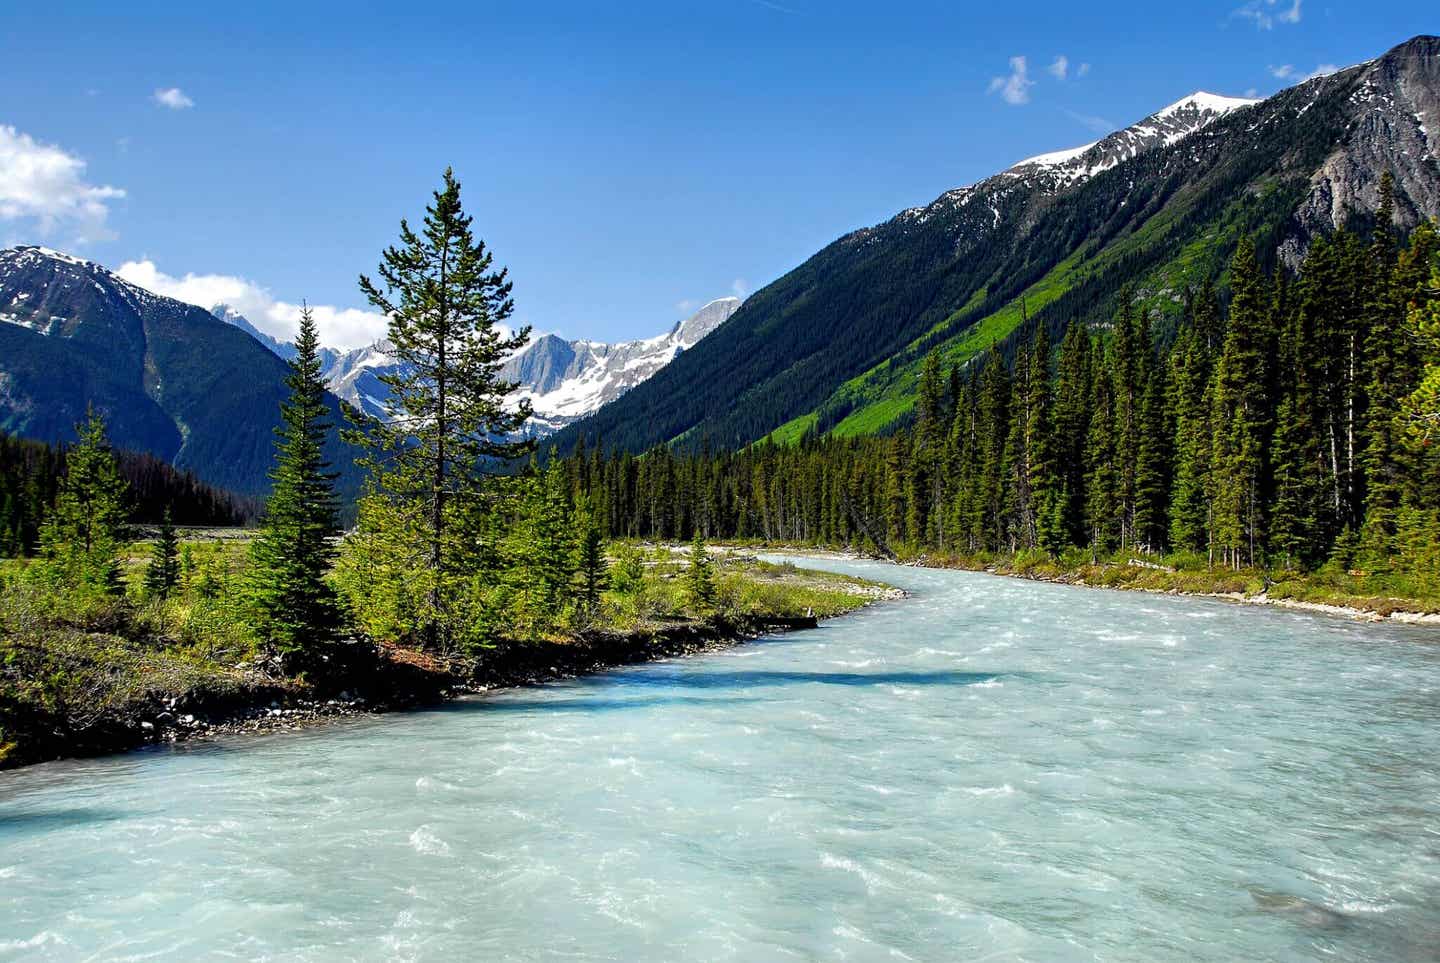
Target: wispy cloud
[
  {"x": 1288, "y": 72},
  {"x": 43, "y": 190},
  {"x": 1265, "y": 14},
  {"x": 1082, "y": 70},
  {"x": 775, "y": 6},
  {"x": 173, "y": 98},
  {"x": 686, "y": 305},
  {"x": 1060, "y": 69},
  {"x": 1014, "y": 88},
  {"x": 1322, "y": 70},
  {"x": 1093, "y": 122},
  {"x": 740, "y": 288},
  {"x": 339, "y": 327}
]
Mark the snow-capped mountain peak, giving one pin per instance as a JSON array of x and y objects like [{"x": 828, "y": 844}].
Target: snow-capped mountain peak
[
  {"x": 1162, "y": 128},
  {"x": 563, "y": 380},
  {"x": 566, "y": 380}
]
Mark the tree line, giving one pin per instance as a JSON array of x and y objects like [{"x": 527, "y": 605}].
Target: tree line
[
  {"x": 1289, "y": 424},
  {"x": 31, "y": 473}
]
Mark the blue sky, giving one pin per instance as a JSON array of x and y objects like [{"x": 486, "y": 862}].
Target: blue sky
[{"x": 626, "y": 161}]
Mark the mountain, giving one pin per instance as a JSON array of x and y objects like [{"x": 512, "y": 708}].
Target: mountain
[
  {"x": 170, "y": 378},
  {"x": 834, "y": 346},
  {"x": 564, "y": 380}
]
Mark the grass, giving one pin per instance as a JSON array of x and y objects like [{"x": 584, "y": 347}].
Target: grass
[{"x": 80, "y": 673}]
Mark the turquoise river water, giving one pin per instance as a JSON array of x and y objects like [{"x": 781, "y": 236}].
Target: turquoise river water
[{"x": 992, "y": 769}]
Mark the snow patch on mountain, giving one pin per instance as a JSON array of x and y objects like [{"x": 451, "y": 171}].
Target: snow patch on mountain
[
  {"x": 563, "y": 380},
  {"x": 1166, "y": 126}
]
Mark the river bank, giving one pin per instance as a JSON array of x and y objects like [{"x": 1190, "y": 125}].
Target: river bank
[
  {"x": 1247, "y": 587},
  {"x": 67, "y": 692}
]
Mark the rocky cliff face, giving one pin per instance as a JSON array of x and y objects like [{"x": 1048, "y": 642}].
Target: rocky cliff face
[{"x": 1392, "y": 110}]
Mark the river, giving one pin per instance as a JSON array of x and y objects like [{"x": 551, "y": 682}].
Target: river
[{"x": 991, "y": 769}]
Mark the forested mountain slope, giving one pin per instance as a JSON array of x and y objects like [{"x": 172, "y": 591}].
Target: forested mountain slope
[
  {"x": 834, "y": 346},
  {"x": 170, "y": 378}
]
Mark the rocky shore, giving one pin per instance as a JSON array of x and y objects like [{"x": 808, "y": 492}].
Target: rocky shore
[{"x": 374, "y": 680}]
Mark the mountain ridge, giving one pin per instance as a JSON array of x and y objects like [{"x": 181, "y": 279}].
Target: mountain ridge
[
  {"x": 170, "y": 378},
  {"x": 563, "y": 379},
  {"x": 834, "y": 344}
]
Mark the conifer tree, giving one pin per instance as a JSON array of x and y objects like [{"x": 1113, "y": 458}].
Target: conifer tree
[
  {"x": 295, "y": 608},
  {"x": 1190, "y": 365},
  {"x": 82, "y": 535},
  {"x": 163, "y": 572},
  {"x": 1102, "y": 488},
  {"x": 1152, "y": 463},
  {"x": 447, "y": 418},
  {"x": 1390, "y": 358},
  {"x": 1072, "y": 427},
  {"x": 592, "y": 572},
  {"x": 1242, "y": 419},
  {"x": 1296, "y": 465},
  {"x": 700, "y": 577},
  {"x": 993, "y": 429}
]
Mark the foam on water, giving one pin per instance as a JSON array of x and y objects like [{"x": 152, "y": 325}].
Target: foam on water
[{"x": 991, "y": 769}]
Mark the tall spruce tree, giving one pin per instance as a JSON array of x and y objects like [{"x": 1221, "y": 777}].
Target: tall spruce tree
[
  {"x": 295, "y": 608},
  {"x": 700, "y": 577},
  {"x": 162, "y": 574},
  {"x": 592, "y": 574},
  {"x": 447, "y": 421},
  {"x": 1242, "y": 415}
]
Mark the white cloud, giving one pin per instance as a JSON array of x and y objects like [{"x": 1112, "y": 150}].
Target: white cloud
[
  {"x": 1014, "y": 89},
  {"x": 339, "y": 327},
  {"x": 1094, "y": 122},
  {"x": 1082, "y": 70},
  {"x": 1060, "y": 69},
  {"x": 173, "y": 98},
  {"x": 686, "y": 305},
  {"x": 740, "y": 288},
  {"x": 1265, "y": 14},
  {"x": 45, "y": 187},
  {"x": 1323, "y": 70},
  {"x": 1288, "y": 72}
]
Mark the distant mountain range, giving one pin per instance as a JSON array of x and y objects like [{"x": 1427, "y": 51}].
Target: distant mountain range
[
  {"x": 834, "y": 346},
  {"x": 200, "y": 389},
  {"x": 563, "y": 380}
]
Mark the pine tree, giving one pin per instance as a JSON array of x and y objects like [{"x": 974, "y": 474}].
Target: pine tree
[
  {"x": 1390, "y": 357},
  {"x": 81, "y": 538},
  {"x": 447, "y": 419},
  {"x": 295, "y": 609},
  {"x": 1242, "y": 416},
  {"x": 592, "y": 572},
  {"x": 1191, "y": 402},
  {"x": 1102, "y": 480},
  {"x": 1152, "y": 465},
  {"x": 1296, "y": 465},
  {"x": 163, "y": 572},
  {"x": 541, "y": 551},
  {"x": 700, "y": 578},
  {"x": 993, "y": 430},
  {"x": 1072, "y": 427}
]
